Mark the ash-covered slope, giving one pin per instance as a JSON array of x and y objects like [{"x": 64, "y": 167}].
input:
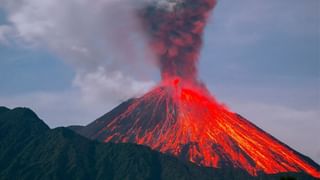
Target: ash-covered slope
[{"x": 187, "y": 122}]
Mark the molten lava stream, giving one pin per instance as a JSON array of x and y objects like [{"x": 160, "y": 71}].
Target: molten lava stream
[{"x": 184, "y": 120}]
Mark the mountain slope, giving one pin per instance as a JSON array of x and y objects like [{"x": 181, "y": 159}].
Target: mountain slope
[
  {"x": 30, "y": 150},
  {"x": 188, "y": 123}
]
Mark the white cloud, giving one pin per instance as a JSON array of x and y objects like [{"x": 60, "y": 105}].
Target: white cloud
[
  {"x": 100, "y": 39},
  {"x": 100, "y": 86}
]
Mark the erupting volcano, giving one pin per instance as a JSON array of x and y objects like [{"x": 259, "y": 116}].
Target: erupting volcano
[
  {"x": 179, "y": 116},
  {"x": 183, "y": 120}
]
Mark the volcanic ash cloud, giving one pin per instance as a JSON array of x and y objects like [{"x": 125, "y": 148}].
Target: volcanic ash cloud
[{"x": 175, "y": 30}]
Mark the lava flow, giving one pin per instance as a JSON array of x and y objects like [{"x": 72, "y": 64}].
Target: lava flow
[
  {"x": 187, "y": 122},
  {"x": 179, "y": 116}
]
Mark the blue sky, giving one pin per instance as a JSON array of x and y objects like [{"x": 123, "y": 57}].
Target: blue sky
[{"x": 260, "y": 58}]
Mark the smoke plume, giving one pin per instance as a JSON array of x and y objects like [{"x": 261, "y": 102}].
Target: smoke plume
[
  {"x": 175, "y": 31},
  {"x": 101, "y": 39}
]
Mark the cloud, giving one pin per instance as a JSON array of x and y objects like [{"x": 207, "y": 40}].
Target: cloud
[
  {"x": 109, "y": 84},
  {"x": 100, "y": 39}
]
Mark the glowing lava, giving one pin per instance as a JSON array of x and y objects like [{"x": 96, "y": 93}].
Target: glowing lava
[
  {"x": 179, "y": 116},
  {"x": 185, "y": 121}
]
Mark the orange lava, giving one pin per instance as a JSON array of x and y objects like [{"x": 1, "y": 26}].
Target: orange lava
[{"x": 186, "y": 121}]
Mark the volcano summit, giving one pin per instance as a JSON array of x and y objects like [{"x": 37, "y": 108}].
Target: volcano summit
[
  {"x": 187, "y": 122},
  {"x": 179, "y": 116}
]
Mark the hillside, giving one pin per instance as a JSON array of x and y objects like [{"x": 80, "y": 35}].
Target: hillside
[{"x": 29, "y": 149}]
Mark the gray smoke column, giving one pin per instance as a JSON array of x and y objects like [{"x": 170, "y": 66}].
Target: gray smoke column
[{"x": 175, "y": 29}]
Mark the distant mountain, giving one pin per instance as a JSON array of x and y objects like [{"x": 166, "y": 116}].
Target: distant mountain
[
  {"x": 187, "y": 123},
  {"x": 29, "y": 149}
]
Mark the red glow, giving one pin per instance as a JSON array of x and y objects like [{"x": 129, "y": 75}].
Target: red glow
[
  {"x": 190, "y": 124},
  {"x": 180, "y": 117},
  {"x": 176, "y": 82}
]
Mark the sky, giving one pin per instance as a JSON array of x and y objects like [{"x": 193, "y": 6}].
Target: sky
[{"x": 72, "y": 61}]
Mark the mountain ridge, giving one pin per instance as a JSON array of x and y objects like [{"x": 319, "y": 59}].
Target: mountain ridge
[
  {"x": 62, "y": 154},
  {"x": 38, "y": 152}
]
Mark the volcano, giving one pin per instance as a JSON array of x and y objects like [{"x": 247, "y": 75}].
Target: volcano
[
  {"x": 179, "y": 116},
  {"x": 185, "y": 121}
]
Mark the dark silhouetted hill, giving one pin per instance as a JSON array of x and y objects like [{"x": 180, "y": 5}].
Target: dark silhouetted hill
[{"x": 29, "y": 149}]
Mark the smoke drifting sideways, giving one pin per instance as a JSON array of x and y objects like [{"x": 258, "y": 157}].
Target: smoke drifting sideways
[
  {"x": 175, "y": 29},
  {"x": 111, "y": 43},
  {"x": 101, "y": 40}
]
